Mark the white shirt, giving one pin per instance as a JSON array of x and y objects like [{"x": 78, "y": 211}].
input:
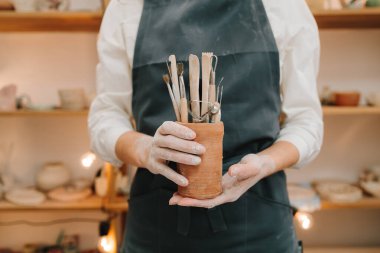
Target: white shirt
[{"x": 297, "y": 38}]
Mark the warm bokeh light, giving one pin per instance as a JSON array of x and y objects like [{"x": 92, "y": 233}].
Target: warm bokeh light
[
  {"x": 106, "y": 244},
  {"x": 88, "y": 159},
  {"x": 305, "y": 220}
]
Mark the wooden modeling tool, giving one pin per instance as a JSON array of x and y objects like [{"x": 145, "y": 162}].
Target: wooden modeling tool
[
  {"x": 206, "y": 72},
  {"x": 194, "y": 85},
  {"x": 183, "y": 106},
  {"x": 174, "y": 76}
]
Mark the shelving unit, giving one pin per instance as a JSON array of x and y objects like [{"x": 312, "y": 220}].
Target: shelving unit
[
  {"x": 327, "y": 110},
  {"x": 348, "y": 18},
  {"x": 361, "y": 110},
  {"x": 50, "y": 21},
  {"x": 92, "y": 203},
  {"x": 365, "y": 203},
  {"x": 90, "y": 21},
  {"x": 342, "y": 250}
]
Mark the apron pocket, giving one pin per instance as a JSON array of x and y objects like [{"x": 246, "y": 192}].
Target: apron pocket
[{"x": 263, "y": 213}]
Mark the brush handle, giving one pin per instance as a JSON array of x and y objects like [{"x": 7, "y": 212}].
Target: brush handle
[
  {"x": 184, "y": 111},
  {"x": 194, "y": 84},
  {"x": 174, "y": 77},
  {"x": 177, "y": 115}
]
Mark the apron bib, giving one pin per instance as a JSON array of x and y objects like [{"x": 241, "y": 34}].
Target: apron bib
[{"x": 239, "y": 33}]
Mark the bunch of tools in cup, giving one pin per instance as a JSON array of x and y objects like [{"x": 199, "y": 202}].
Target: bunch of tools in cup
[{"x": 205, "y": 110}]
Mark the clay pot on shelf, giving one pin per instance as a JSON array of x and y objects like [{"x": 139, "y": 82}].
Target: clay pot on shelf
[
  {"x": 205, "y": 179},
  {"x": 347, "y": 98}
]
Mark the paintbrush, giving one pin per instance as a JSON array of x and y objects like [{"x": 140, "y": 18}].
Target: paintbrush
[{"x": 166, "y": 79}]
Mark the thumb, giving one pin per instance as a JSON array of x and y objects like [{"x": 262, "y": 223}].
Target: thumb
[{"x": 243, "y": 171}]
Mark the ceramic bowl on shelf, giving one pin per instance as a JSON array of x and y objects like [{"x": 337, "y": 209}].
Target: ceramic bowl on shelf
[
  {"x": 52, "y": 175},
  {"x": 6, "y": 5},
  {"x": 24, "y": 5},
  {"x": 373, "y": 3},
  {"x": 353, "y": 4},
  {"x": 347, "y": 98},
  {"x": 338, "y": 192},
  {"x": 25, "y": 197},
  {"x": 69, "y": 193},
  {"x": 52, "y": 5},
  {"x": 72, "y": 99},
  {"x": 370, "y": 181},
  {"x": 373, "y": 99},
  {"x": 304, "y": 198}
]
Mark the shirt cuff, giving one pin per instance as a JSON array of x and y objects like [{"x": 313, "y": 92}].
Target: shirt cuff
[
  {"x": 302, "y": 147},
  {"x": 108, "y": 141}
]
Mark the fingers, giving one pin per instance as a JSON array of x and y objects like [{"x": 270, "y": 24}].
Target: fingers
[
  {"x": 244, "y": 171},
  {"x": 228, "y": 181},
  {"x": 176, "y": 156},
  {"x": 171, "y": 174},
  {"x": 178, "y": 130},
  {"x": 208, "y": 203},
  {"x": 175, "y": 143},
  {"x": 175, "y": 199}
]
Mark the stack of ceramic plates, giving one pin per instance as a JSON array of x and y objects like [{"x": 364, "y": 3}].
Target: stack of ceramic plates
[
  {"x": 339, "y": 192},
  {"x": 25, "y": 197},
  {"x": 69, "y": 193},
  {"x": 303, "y": 198}
]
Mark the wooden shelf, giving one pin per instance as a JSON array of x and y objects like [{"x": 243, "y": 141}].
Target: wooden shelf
[
  {"x": 119, "y": 204},
  {"x": 348, "y": 18},
  {"x": 93, "y": 203},
  {"x": 362, "y": 110},
  {"x": 365, "y": 203},
  {"x": 90, "y": 22},
  {"x": 342, "y": 250},
  {"x": 50, "y": 21},
  {"x": 43, "y": 113}
]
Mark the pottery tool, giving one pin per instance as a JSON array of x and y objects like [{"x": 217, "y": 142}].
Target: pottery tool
[
  {"x": 216, "y": 114},
  {"x": 174, "y": 76},
  {"x": 166, "y": 79},
  {"x": 212, "y": 88},
  {"x": 183, "y": 104},
  {"x": 206, "y": 72},
  {"x": 194, "y": 85}
]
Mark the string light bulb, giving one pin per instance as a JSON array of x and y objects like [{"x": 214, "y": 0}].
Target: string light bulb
[
  {"x": 88, "y": 159},
  {"x": 106, "y": 243},
  {"x": 305, "y": 220}
]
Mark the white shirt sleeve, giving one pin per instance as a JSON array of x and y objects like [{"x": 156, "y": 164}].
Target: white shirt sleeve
[
  {"x": 303, "y": 126},
  {"x": 110, "y": 111}
]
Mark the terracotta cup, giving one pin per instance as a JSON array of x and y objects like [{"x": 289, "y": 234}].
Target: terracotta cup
[{"x": 205, "y": 179}]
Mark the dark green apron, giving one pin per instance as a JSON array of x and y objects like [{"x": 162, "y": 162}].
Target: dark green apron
[{"x": 239, "y": 33}]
